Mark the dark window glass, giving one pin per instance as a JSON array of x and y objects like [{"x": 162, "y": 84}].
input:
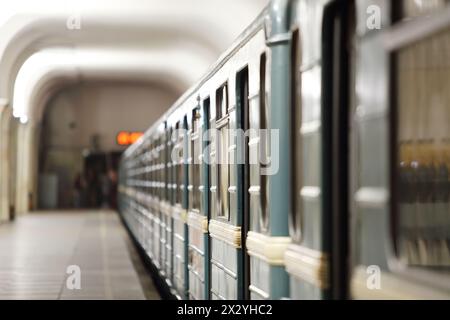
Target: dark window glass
[
  {"x": 195, "y": 164},
  {"x": 414, "y": 8},
  {"x": 204, "y": 165},
  {"x": 179, "y": 167},
  {"x": 264, "y": 141},
  {"x": 422, "y": 213},
  {"x": 223, "y": 182},
  {"x": 221, "y": 102},
  {"x": 222, "y": 153},
  {"x": 296, "y": 214}
]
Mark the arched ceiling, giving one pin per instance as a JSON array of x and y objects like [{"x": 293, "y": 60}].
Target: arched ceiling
[
  {"x": 170, "y": 41},
  {"x": 68, "y": 65}
]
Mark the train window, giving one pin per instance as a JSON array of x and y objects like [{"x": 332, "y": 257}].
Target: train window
[
  {"x": 144, "y": 174},
  {"x": 422, "y": 208},
  {"x": 172, "y": 167},
  {"x": 259, "y": 150},
  {"x": 410, "y": 9},
  {"x": 148, "y": 167},
  {"x": 195, "y": 165},
  {"x": 222, "y": 153},
  {"x": 204, "y": 175},
  {"x": 167, "y": 164},
  {"x": 158, "y": 168},
  {"x": 296, "y": 215},
  {"x": 213, "y": 163},
  {"x": 222, "y": 102},
  {"x": 152, "y": 168},
  {"x": 166, "y": 167},
  {"x": 223, "y": 172},
  {"x": 161, "y": 167},
  {"x": 178, "y": 166},
  {"x": 264, "y": 143}
]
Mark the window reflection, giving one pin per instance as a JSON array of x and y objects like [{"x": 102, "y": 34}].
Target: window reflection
[
  {"x": 179, "y": 166},
  {"x": 195, "y": 164},
  {"x": 415, "y": 8},
  {"x": 423, "y": 151},
  {"x": 297, "y": 183},
  {"x": 222, "y": 153}
]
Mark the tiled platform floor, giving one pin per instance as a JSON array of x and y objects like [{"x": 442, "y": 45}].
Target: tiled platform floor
[{"x": 37, "y": 248}]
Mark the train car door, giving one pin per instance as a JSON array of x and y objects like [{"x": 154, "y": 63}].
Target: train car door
[
  {"x": 400, "y": 200},
  {"x": 337, "y": 35},
  {"x": 242, "y": 120},
  {"x": 316, "y": 260}
]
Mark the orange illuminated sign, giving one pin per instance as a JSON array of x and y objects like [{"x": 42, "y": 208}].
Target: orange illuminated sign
[{"x": 125, "y": 138}]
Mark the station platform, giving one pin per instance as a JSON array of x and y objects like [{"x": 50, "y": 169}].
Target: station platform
[{"x": 37, "y": 249}]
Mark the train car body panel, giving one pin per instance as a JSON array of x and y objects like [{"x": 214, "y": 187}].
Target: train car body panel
[
  {"x": 392, "y": 150},
  {"x": 307, "y": 258},
  {"x": 321, "y": 209}
]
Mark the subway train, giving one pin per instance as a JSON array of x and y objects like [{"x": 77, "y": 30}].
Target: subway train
[{"x": 339, "y": 186}]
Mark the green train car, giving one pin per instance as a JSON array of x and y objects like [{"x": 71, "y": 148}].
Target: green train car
[{"x": 338, "y": 186}]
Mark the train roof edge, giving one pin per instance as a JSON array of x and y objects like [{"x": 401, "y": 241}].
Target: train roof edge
[{"x": 242, "y": 39}]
